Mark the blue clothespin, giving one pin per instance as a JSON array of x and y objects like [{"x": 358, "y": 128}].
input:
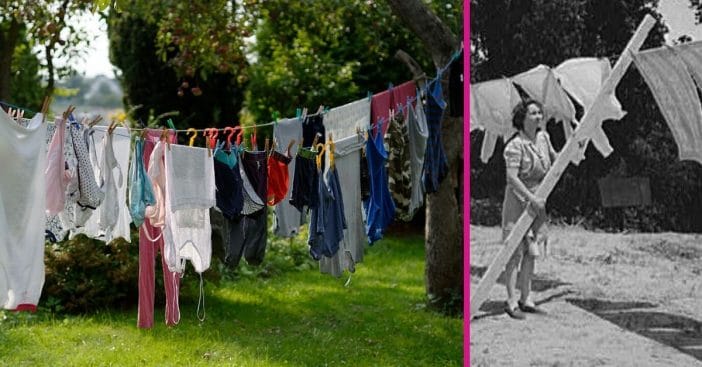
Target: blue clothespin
[
  {"x": 369, "y": 96},
  {"x": 298, "y": 113},
  {"x": 390, "y": 86}
]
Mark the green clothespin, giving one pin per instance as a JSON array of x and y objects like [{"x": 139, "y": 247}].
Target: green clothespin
[
  {"x": 275, "y": 118},
  {"x": 298, "y": 113},
  {"x": 370, "y": 95},
  {"x": 170, "y": 124}
]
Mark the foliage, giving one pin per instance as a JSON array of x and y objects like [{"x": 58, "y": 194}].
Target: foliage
[
  {"x": 330, "y": 53},
  {"x": 301, "y": 319},
  {"x": 549, "y": 32},
  {"x": 47, "y": 25},
  {"x": 24, "y": 80},
  {"x": 84, "y": 275},
  {"x": 150, "y": 82}
]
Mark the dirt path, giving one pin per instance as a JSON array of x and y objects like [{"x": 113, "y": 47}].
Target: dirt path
[{"x": 612, "y": 300}]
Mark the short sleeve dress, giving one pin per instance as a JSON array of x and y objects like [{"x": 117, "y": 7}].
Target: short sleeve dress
[{"x": 533, "y": 160}]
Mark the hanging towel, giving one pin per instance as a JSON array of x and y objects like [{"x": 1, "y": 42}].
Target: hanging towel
[
  {"x": 343, "y": 122},
  {"x": 674, "y": 91},
  {"x": 190, "y": 173},
  {"x": 287, "y": 219},
  {"x": 190, "y": 193},
  {"x": 22, "y": 212},
  {"x": 691, "y": 54}
]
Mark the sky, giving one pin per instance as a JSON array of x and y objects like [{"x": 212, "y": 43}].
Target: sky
[{"x": 676, "y": 14}]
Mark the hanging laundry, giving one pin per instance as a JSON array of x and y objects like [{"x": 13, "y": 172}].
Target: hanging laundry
[
  {"x": 305, "y": 179},
  {"x": 312, "y": 126},
  {"x": 345, "y": 122},
  {"x": 278, "y": 177},
  {"x": 401, "y": 95},
  {"x": 435, "y": 162},
  {"x": 347, "y": 152},
  {"x": 111, "y": 219},
  {"x": 582, "y": 78},
  {"x": 327, "y": 220},
  {"x": 190, "y": 193},
  {"x": 141, "y": 192},
  {"x": 287, "y": 219},
  {"x": 418, "y": 133},
  {"x": 488, "y": 146},
  {"x": 230, "y": 201},
  {"x": 382, "y": 102},
  {"x": 674, "y": 91},
  {"x": 55, "y": 173},
  {"x": 151, "y": 239},
  {"x": 540, "y": 84},
  {"x": 379, "y": 208},
  {"x": 22, "y": 212},
  {"x": 55, "y": 229},
  {"x": 491, "y": 105},
  {"x": 456, "y": 86},
  {"x": 691, "y": 54},
  {"x": 398, "y": 167},
  {"x": 254, "y": 173},
  {"x": 229, "y": 195}
]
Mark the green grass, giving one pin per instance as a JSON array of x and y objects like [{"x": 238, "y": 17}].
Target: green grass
[{"x": 298, "y": 318}]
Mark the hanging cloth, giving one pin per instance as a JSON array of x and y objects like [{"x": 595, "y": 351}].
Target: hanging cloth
[{"x": 674, "y": 91}]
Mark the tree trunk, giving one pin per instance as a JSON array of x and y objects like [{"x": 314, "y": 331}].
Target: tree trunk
[
  {"x": 444, "y": 235},
  {"x": 50, "y": 69},
  {"x": 8, "y": 41}
]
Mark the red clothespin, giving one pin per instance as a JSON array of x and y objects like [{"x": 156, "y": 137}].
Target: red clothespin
[{"x": 231, "y": 131}]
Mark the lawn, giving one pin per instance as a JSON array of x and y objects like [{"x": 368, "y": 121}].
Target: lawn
[{"x": 299, "y": 318}]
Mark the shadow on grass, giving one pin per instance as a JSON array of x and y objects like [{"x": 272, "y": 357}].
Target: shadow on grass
[{"x": 679, "y": 332}]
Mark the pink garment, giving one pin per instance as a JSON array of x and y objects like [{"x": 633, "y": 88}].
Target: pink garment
[
  {"x": 147, "y": 256},
  {"x": 55, "y": 173},
  {"x": 382, "y": 102},
  {"x": 401, "y": 94}
]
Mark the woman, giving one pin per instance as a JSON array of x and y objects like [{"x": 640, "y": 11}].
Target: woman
[{"x": 528, "y": 156}]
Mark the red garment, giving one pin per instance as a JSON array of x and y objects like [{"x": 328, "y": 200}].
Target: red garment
[
  {"x": 278, "y": 178},
  {"x": 382, "y": 102}
]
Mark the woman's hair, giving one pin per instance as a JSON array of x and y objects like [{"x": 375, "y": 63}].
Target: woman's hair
[{"x": 520, "y": 110}]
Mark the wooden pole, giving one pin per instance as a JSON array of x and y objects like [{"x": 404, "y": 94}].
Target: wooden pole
[{"x": 590, "y": 125}]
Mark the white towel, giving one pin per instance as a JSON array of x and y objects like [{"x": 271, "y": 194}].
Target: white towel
[
  {"x": 190, "y": 193},
  {"x": 22, "y": 211},
  {"x": 674, "y": 91},
  {"x": 190, "y": 175}
]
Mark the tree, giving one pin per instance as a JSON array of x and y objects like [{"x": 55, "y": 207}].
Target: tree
[
  {"x": 41, "y": 23},
  {"x": 444, "y": 237},
  {"x": 203, "y": 99}
]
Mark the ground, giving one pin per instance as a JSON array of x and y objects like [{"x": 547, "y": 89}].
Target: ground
[{"x": 625, "y": 299}]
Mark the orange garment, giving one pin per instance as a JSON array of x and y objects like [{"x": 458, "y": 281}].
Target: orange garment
[{"x": 278, "y": 178}]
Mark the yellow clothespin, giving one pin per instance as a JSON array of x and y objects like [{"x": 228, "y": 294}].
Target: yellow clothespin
[
  {"x": 192, "y": 137},
  {"x": 330, "y": 149},
  {"x": 321, "y": 148}
]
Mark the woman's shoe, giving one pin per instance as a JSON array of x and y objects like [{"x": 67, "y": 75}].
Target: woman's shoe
[
  {"x": 515, "y": 313},
  {"x": 529, "y": 309}
]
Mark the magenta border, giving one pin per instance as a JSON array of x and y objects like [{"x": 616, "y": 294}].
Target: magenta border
[{"x": 466, "y": 184}]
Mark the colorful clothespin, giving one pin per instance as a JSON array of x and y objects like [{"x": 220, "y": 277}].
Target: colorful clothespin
[
  {"x": 170, "y": 124},
  {"x": 229, "y": 136},
  {"x": 192, "y": 137}
]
